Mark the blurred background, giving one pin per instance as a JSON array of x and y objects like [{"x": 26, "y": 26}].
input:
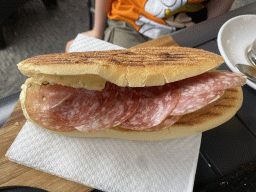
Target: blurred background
[{"x": 35, "y": 30}]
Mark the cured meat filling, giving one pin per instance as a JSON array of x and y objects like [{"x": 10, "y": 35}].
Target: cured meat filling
[
  {"x": 124, "y": 107},
  {"x": 155, "y": 105},
  {"x": 64, "y": 108},
  {"x": 60, "y": 107}
]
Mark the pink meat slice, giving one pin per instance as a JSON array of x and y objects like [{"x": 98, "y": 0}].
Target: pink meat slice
[
  {"x": 211, "y": 82},
  {"x": 124, "y": 107},
  {"x": 68, "y": 107},
  {"x": 43, "y": 120},
  {"x": 190, "y": 102},
  {"x": 166, "y": 123},
  {"x": 198, "y": 91},
  {"x": 155, "y": 105}
]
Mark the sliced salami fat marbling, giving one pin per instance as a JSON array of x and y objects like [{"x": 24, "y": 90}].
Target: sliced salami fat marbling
[
  {"x": 68, "y": 107},
  {"x": 198, "y": 91},
  {"x": 43, "y": 120},
  {"x": 190, "y": 102},
  {"x": 155, "y": 105},
  {"x": 166, "y": 123},
  {"x": 38, "y": 110},
  {"x": 124, "y": 107},
  {"x": 211, "y": 82},
  {"x": 227, "y": 80}
]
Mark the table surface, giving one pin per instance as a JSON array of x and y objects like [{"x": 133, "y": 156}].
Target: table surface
[{"x": 224, "y": 149}]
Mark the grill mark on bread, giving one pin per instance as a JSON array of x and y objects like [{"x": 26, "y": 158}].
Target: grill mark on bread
[
  {"x": 115, "y": 61},
  {"x": 154, "y": 56},
  {"x": 131, "y": 67},
  {"x": 198, "y": 119}
]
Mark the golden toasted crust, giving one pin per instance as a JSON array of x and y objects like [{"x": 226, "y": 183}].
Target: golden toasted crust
[
  {"x": 24, "y": 87},
  {"x": 202, "y": 120},
  {"x": 136, "y": 67}
]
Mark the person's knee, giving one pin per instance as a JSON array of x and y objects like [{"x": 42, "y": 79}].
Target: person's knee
[{"x": 123, "y": 34}]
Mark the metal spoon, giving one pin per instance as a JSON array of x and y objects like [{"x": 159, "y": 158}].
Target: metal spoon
[
  {"x": 247, "y": 70},
  {"x": 251, "y": 53}
]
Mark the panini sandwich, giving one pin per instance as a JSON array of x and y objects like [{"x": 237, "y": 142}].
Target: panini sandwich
[{"x": 136, "y": 94}]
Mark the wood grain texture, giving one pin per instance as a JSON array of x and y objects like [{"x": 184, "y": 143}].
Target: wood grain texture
[
  {"x": 163, "y": 41},
  {"x": 16, "y": 174},
  {"x": 13, "y": 174}
]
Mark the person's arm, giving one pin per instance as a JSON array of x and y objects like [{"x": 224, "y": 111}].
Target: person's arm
[
  {"x": 102, "y": 8},
  {"x": 100, "y": 18},
  {"x": 218, "y": 7}
]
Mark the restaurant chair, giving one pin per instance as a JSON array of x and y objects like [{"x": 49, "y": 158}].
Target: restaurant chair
[{"x": 91, "y": 8}]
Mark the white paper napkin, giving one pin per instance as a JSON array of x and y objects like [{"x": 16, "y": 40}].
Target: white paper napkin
[
  {"x": 84, "y": 43},
  {"x": 109, "y": 164}
]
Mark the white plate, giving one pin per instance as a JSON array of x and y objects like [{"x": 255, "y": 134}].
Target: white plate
[{"x": 234, "y": 37}]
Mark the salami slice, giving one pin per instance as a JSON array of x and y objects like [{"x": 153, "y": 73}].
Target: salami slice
[
  {"x": 211, "y": 82},
  {"x": 68, "y": 107},
  {"x": 166, "y": 123},
  {"x": 155, "y": 105},
  {"x": 43, "y": 120},
  {"x": 38, "y": 112},
  {"x": 125, "y": 106},
  {"x": 198, "y": 91},
  {"x": 190, "y": 102}
]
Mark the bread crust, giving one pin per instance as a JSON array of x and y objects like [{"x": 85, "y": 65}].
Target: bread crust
[
  {"x": 199, "y": 121},
  {"x": 135, "y": 67}
]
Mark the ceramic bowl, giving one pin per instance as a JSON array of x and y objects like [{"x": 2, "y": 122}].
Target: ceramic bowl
[{"x": 234, "y": 38}]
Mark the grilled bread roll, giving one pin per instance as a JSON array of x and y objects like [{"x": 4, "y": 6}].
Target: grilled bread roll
[
  {"x": 138, "y": 94},
  {"x": 137, "y": 67}
]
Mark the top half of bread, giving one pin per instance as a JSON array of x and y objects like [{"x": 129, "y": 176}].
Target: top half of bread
[{"x": 136, "y": 67}]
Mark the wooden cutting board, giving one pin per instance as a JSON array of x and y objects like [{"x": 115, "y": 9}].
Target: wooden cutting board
[{"x": 13, "y": 174}]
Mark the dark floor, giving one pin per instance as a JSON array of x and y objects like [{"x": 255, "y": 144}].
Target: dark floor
[{"x": 34, "y": 30}]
